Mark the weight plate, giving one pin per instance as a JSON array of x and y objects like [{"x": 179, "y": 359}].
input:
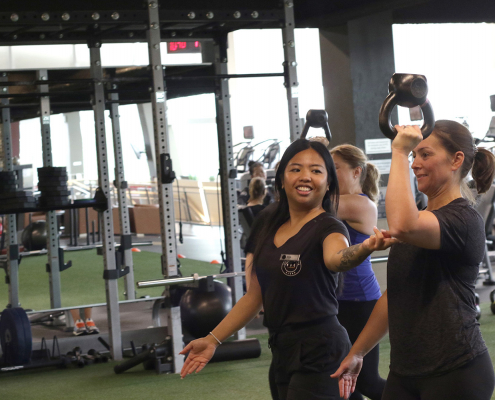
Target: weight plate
[
  {"x": 49, "y": 186},
  {"x": 52, "y": 169},
  {"x": 8, "y": 189},
  {"x": 16, "y": 195},
  {"x": 17, "y": 204},
  {"x": 54, "y": 201},
  {"x": 51, "y": 173},
  {"x": 15, "y": 336},
  {"x": 7, "y": 174},
  {"x": 13, "y": 202},
  {"x": 8, "y": 180},
  {"x": 55, "y": 193},
  {"x": 52, "y": 181},
  {"x": 24, "y": 199}
]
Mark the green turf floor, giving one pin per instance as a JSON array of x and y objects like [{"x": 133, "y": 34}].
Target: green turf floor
[
  {"x": 234, "y": 380},
  {"x": 83, "y": 283}
]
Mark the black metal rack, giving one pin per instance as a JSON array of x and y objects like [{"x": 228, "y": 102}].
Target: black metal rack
[{"x": 27, "y": 94}]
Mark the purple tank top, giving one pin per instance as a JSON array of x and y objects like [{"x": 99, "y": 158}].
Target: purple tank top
[{"x": 360, "y": 283}]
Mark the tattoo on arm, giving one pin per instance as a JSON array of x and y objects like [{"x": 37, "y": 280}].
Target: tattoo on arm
[{"x": 350, "y": 258}]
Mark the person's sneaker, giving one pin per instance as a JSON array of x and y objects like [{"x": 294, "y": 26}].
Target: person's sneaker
[
  {"x": 91, "y": 327},
  {"x": 80, "y": 328}
]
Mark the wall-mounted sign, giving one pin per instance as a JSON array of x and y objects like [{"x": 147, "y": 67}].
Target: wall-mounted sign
[
  {"x": 382, "y": 165},
  {"x": 377, "y": 146}
]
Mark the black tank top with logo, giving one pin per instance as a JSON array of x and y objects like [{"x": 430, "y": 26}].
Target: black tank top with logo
[{"x": 296, "y": 285}]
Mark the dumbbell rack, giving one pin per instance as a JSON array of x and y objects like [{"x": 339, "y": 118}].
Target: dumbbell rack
[{"x": 138, "y": 21}]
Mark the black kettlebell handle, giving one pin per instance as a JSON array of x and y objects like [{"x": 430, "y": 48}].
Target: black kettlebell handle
[
  {"x": 317, "y": 119},
  {"x": 406, "y": 90},
  {"x": 492, "y": 296}
]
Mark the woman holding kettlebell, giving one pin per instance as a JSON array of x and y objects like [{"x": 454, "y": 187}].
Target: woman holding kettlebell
[{"x": 437, "y": 351}]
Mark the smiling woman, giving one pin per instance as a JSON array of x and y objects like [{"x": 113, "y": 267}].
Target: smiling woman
[
  {"x": 437, "y": 351},
  {"x": 300, "y": 248}
]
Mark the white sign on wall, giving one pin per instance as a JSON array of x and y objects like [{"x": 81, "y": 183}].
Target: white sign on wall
[
  {"x": 382, "y": 165},
  {"x": 377, "y": 146}
]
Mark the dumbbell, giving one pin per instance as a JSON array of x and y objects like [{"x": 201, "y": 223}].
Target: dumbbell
[
  {"x": 97, "y": 357},
  {"x": 406, "y": 90},
  {"x": 76, "y": 357}
]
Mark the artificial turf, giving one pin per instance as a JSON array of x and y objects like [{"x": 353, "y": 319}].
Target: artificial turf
[
  {"x": 233, "y": 380},
  {"x": 83, "y": 284}
]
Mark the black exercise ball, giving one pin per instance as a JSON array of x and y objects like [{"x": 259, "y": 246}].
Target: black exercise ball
[
  {"x": 201, "y": 311},
  {"x": 34, "y": 236}
]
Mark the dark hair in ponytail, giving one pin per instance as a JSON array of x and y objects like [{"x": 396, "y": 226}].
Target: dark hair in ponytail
[
  {"x": 455, "y": 137},
  {"x": 370, "y": 176},
  {"x": 483, "y": 169},
  {"x": 279, "y": 213}
]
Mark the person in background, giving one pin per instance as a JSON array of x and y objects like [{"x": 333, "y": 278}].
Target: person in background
[
  {"x": 257, "y": 192},
  {"x": 359, "y": 191},
  {"x": 84, "y": 326},
  {"x": 256, "y": 170}
]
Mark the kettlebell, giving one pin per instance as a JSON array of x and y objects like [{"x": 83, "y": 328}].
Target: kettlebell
[
  {"x": 406, "y": 90},
  {"x": 317, "y": 119}
]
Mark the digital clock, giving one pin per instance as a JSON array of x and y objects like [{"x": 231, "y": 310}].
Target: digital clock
[{"x": 184, "y": 47}]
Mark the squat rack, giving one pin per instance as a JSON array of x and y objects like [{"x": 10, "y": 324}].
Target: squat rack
[{"x": 128, "y": 21}]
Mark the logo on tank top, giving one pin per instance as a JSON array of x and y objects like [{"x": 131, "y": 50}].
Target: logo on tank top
[{"x": 291, "y": 264}]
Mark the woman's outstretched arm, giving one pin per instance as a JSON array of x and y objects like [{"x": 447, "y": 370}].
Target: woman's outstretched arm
[
  {"x": 201, "y": 350},
  {"x": 339, "y": 257}
]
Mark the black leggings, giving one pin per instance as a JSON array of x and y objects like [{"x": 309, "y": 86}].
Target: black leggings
[
  {"x": 353, "y": 316},
  {"x": 474, "y": 381}
]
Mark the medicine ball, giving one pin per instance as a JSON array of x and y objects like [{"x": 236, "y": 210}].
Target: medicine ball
[
  {"x": 201, "y": 311},
  {"x": 34, "y": 236}
]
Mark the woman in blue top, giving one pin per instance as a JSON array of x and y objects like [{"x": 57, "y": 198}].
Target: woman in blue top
[{"x": 358, "y": 184}]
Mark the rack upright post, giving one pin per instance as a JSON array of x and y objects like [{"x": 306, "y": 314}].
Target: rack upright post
[
  {"x": 290, "y": 69},
  {"x": 111, "y": 273},
  {"x": 10, "y": 224},
  {"x": 165, "y": 177},
  {"x": 53, "y": 266},
  {"x": 228, "y": 173},
  {"x": 121, "y": 184}
]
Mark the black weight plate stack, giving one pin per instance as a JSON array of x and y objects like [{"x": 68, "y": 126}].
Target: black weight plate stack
[
  {"x": 53, "y": 187},
  {"x": 19, "y": 199},
  {"x": 8, "y": 182},
  {"x": 15, "y": 336}
]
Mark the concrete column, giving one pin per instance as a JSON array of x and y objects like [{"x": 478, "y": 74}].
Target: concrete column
[
  {"x": 337, "y": 84},
  {"x": 372, "y": 64},
  {"x": 357, "y": 63}
]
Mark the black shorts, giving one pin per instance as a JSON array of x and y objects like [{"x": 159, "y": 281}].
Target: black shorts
[{"x": 305, "y": 356}]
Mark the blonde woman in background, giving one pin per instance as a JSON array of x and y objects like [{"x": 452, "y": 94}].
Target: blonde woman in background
[{"x": 358, "y": 183}]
